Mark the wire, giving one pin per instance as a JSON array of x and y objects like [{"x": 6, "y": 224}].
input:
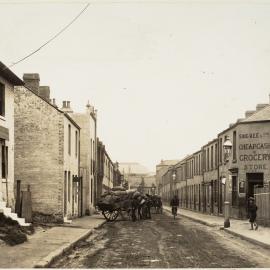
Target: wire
[{"x": 51, "y": 39}]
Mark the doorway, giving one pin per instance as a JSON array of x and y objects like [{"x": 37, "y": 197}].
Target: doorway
[{"x": 253, "y": 179}]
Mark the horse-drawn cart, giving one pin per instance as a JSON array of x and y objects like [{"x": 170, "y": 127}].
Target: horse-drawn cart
[
  {"x": 115, "y": 202},
  {"x": 119, "y": 201}
]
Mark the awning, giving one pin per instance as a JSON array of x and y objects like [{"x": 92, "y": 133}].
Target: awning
[{"x": 4, "y": 133}]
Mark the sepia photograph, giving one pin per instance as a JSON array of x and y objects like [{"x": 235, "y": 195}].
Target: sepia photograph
[{"x": 135, "y": 134}]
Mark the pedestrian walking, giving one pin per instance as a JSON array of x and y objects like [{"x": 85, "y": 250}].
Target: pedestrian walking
[{"x": 252, "y": 212}]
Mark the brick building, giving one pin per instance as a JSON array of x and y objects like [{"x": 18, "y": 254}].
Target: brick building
[
  {"x": 207, "y": 178},
  {"x": 46, "y": 153},
  {"x": 88, "y": 154},
  {"x": 161, "y": 168},
  {"x": 7, "y": 82},
  {"x": 108, "y": 173}
]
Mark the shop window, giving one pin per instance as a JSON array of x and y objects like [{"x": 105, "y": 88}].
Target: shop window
[
  {"x": 234, "y": 190},
  {"x": 2, "y": 100}
]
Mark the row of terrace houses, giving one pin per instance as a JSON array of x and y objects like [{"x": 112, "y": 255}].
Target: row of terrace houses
[
  {"x": 232, "y": 167},
  {"x": 51, "y": 151}
]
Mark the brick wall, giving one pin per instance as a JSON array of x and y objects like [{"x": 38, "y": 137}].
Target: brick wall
[{"x": 39, "y": 151}]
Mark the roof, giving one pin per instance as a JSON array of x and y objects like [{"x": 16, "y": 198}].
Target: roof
[
  {"x": 168, "y": 162},
  {"x": 261, "y": 115},
  {"x": 258, "y": 116},
  {"x": 11, "y": 77},
  {"x": 132, "y": 168}
]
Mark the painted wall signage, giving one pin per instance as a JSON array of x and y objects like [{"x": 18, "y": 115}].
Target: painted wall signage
[{"x": 254, "y": 151}]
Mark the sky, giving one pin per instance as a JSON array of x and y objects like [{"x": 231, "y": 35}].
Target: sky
[{"x": 165, "y": 76}]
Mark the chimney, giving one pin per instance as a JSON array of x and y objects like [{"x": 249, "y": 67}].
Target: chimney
[
  {"x": 89, "y": 108},
  {"x": 66, "y": 107},
  {"x": 239, "y": 120},
  {"x": 44, "y": 92},
  {"x": 31, "y": 81},
  {"x": 261, "y": 106},
  {"x": 249, "y": 113},
  {"x": 54, "y": 103}
]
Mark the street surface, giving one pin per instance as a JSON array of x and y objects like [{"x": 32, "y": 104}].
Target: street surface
[{"x": 163, "y": 242}]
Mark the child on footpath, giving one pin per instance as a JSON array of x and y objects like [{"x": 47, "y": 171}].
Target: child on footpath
[{"x": 252, "y": 211}]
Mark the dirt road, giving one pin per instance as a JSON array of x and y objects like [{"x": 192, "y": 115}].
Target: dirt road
[{"x": 163, "y": 243}]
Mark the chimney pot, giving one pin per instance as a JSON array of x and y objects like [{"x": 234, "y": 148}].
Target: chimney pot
[{"x": 66, "y": 107}]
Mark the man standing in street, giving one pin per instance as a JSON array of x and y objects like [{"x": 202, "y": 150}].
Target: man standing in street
[{"x": 252, "y": 211}]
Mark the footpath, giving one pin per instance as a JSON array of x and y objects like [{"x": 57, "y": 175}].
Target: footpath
[
  {"x": 44, "y": 246},
  {"x": 239, "y": 228}
]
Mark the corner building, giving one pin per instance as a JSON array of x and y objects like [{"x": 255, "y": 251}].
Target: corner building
[{"x": 7, "y": 82}]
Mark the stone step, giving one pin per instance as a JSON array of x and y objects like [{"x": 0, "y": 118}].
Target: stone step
[
  {"x": 14, "y": 216},
  {"x": 66, "y": 220},
  {"x": 7, "y": 210}
]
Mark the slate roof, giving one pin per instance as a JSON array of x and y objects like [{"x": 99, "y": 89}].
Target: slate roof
[{"x": 11, "y": 77}]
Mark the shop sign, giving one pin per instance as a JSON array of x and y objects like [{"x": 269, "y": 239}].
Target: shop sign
[{"x": 254, "y": 151}]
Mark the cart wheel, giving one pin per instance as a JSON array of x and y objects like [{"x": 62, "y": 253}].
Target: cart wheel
[{"x": 110, "y": 215}]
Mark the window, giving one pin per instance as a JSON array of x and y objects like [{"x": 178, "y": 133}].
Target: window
[
  {"x": 2, "y": 99},
  {"x": 4, "y": 161},
  {"x": 234, "y": 190},
  {"x": 207, "y": 158},
  {"x": 69, "y": 139},
  {"x": 76, "y": 143},
  {"x": 69, "y": 187},
  {"x": 216, "y": 156},
  {"x": 220, "y": 150},
  {"x": 234, "y": 145},
  {"x": 199, "y": 165},
  {"x": 212, "y": 157}
]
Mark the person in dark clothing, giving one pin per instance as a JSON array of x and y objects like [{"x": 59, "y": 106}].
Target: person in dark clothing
[
  {"x": 252, "y": 212},
  {"x": 174, "y": 203}
]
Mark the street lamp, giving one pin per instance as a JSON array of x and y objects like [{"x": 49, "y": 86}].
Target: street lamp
[{"x": 227, "y": 146}]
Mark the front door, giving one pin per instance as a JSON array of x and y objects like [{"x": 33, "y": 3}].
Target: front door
[{"x": 253, "y": 179}]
